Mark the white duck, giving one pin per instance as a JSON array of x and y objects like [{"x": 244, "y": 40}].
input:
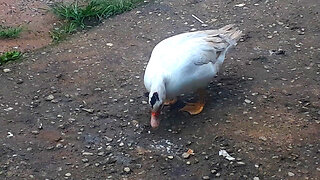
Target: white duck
[{"x": 184, "y": 63}]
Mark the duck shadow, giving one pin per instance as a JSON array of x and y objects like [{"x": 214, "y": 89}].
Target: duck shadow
[{"x": 222, "y": 91}]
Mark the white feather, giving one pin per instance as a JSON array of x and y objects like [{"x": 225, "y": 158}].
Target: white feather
[{"x": 188, "y": 61}]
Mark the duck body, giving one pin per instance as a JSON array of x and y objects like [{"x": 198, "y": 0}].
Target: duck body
[
  {"x": 174, "y": 61},
  {"x": 187, "y": 62}
]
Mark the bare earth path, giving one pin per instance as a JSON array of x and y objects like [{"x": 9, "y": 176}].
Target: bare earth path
[{"x": 77, "y": 110}]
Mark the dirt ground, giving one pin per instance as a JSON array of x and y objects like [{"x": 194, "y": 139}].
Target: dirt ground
[
  {"x": 77, "y": 110},
  {"x": 35, "y": 19}
]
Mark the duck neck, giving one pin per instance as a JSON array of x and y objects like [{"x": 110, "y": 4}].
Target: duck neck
[{"x": 158, "y": 85}]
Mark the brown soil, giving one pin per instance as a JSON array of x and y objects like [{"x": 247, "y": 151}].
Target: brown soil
[
  {"x": 35, "y": 18},
  {"x": 77, "y": 110}
]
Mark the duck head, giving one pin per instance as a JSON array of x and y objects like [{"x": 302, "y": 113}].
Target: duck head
[
  {"x": 156, "y": 106},
  {"x": 156, "y": 99}
]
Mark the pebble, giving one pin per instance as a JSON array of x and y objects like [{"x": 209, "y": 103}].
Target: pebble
[
  {"x": 241, "y": 163},
  {"x": 88, "y": 110},
  {"x": 218, "y": 174},
  {"x": 100, "y": 153},
  {"x": 256, "y": 178},
  {"x": 109, "y": 44},
  {"x": 9, "y": 135},
  {"x": 144, "y": 102},
  {"x": 87, "y": 154},
  {"x": 290, "y": 174},
  {"x": 68, "y": 174},
  {"x": 8, "y": 109},
  {"x": 248, "y": 101},
  {"x": 50, "y": 97},
  {"x": 126, "y": 169},
  {"x": 59, "y": 145},
  {"x": 185, "y": 155},
  {"x": 263, "y": 138},
  {"x": 170, "y": 157},
  {"x": 108, "y": 148},
  {"x": 35, "y": 132},
  {"x": 108, "y": 139},
  {"x": 205, "y": 177},
  {"x": 240, "y": 5},
  {"x": 20, "y": 81},
  {"x": 6, "y": 70}
]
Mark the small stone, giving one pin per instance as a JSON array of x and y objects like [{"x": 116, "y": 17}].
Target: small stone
[
  {"x": 68, "y": 174},
  {"x": 240, "y": 5},
  {"x": 290, "y": 174},
  {"x": 35, "y": 132},
  {"x": 170, "y": 157},
  {"x": 144, "y": 102},
  {"x": 59, "y": 145},
  {"x": 6, "y": 70},
  {"x": 256, "y": 178},
  {"x": 218, "y": 175},
  {"x": 263, "y": 138},
  {"x": 108, "y": 148},
  {"x": 87, "y": 154},
  {"x": 20, "y": 81},
  {"x": 205, "y": 177},
  {"x": 213, "y": 171},
  {"x": 88, "y": 110},
  {"x": 9, "y": 135},
  {"x": 85, "y": 160},
  {"x": 185, "y": 155},
  {"x": 241, "y": 163},
  {"x": 121, "y": 144},
  {"x": 50, "y": 97},
  {"x": 108, "y": 139},
  {"x": 188, "y": 162},
  {"x": 126, "y": 169},
  {"x": 135, "y": 122},
  {"x": 109, "y": 44},
  {"x": 248, "y": 101},
  {"x": 8, "y": 109}
]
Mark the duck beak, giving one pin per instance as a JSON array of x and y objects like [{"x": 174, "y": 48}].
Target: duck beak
[{"x": 155, "y": 121}]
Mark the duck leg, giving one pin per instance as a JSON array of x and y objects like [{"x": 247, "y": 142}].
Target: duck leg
[
  {"x": 168, "y": 102},
  {"x": 196, "y": 108}
]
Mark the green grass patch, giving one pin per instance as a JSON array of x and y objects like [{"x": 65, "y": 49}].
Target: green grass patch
[
  {"x": 62, "y": 32},
  {"x": 9, "y": 56},
  {"x": 81, "y": 15},
  {"x": 9, "y": 32}
]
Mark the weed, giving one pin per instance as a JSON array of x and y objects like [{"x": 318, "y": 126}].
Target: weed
[
  {"x": 80, "y": 15},
  {"x": 9, "y": 32},
  {"x": 9, "y": 56},
  {"x": 94, "y": 9},
  {"x": 61, "y": 33}
]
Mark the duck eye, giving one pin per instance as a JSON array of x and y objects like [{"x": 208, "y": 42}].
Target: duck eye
[{"x": 154, "y": 99}]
